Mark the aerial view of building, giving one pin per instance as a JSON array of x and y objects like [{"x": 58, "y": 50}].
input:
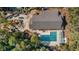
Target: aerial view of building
[
  {"x": 39, "y": 29},
  {"x": 49, "y": 26}
]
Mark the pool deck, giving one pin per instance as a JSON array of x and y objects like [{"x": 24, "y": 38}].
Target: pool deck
[{"x": 47, "y": 32}]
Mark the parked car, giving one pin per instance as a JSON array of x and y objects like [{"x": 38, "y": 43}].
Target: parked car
[
  {"x": 21, "y": 17},
  {"x": 9, "y": 17},
  {"x": 16, "y": 15}
]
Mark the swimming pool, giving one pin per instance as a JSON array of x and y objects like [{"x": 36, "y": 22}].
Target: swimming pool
[{"x": 51, "y": 37}]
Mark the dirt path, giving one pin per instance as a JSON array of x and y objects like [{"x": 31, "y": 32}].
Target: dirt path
[
  {"x": 27, "y": 20},
  {"x": 65, "y": 12}
]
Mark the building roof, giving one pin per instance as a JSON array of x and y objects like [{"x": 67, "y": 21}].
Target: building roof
[{"x": 46, "y": 20}]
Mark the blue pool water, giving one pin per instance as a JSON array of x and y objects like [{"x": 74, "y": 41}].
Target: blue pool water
[{"x": 51, "y": 37}]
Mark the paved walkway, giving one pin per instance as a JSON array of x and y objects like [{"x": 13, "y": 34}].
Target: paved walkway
[{"x": 27, "y": 21}]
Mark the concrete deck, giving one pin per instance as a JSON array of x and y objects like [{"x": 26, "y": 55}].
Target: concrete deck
[{"x": 48, "y": 33}]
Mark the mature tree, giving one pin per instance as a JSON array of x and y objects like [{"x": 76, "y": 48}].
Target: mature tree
[{"x": 34, "y": 39}]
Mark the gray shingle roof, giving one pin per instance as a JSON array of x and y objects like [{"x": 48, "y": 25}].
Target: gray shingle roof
[{"x": 46, "y": 20}]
